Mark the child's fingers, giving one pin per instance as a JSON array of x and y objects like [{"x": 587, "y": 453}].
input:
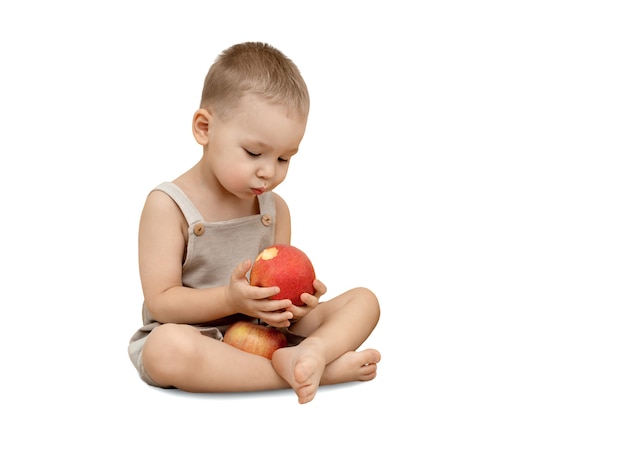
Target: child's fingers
[
  {"x": 277, "y": 319},
  {"x": 241, "y": 270},
  {"x": 320, "y": 288},
  {"x": 309, "y": 300}
]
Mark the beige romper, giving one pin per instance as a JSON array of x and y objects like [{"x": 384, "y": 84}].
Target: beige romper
[{"x": 213, "y": 251}]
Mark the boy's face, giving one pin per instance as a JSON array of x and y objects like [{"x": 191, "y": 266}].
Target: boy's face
[{"x": 249, "y": 151}]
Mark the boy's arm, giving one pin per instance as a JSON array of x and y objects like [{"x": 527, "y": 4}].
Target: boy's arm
[{"x": 162, "y": 233}]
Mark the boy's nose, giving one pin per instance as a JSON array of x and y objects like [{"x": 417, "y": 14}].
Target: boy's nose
[{"x": 266, "y": 171}]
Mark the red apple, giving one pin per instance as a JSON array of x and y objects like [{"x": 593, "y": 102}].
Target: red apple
[
  {"x": 255, "y": 338},
  {"x": 287, "y": 267}
]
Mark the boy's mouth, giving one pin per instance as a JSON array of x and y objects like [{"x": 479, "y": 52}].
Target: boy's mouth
[{"x": 258, "y": 191}]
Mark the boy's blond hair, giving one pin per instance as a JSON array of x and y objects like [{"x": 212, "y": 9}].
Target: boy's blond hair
[{"x": 254, "y": 68}]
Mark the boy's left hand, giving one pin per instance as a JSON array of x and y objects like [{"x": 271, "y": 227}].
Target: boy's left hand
[{"x": 310, "y": 301}]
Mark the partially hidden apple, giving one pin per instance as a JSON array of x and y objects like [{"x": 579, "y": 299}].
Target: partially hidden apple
[
  {"x": 284, "y": 266},
  {"x": 255, "y": 338}
]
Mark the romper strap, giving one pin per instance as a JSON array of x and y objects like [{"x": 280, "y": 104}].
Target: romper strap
[
  {"x": 267, "y": 205},
  {"x": 192, "y": 215}
]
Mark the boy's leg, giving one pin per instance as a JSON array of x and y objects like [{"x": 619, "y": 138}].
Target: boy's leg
[
  {"x": 345, "y": 321},
  {"x": 334, "y": 330},
  {"x": 180, "y": 356}
]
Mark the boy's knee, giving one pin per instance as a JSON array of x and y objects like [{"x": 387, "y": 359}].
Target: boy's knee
[
  {"x": 368, "y": 298},
  {"x": 164, "y": 351}
]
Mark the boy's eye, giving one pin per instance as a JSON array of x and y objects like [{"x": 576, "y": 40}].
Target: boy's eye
[{"x": 256, "y": 155}]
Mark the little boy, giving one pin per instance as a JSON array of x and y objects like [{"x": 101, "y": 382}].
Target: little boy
[{"x": 199, "y": 233}]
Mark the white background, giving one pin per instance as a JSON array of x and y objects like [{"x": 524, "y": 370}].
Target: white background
[{"x": 464, "y": 160}]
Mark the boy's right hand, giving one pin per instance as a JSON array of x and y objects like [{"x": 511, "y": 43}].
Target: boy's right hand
[{"x": 254, "y": 301}]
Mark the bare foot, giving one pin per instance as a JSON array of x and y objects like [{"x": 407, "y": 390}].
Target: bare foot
[
  {"x": 302, "y": 367},
  {"x": 352, "y": 366}
]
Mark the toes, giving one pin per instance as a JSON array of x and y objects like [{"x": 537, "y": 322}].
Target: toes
[
  {"x": 373, "y": 355},
  {"x": 369, "y": 357},
  {"x": 305, "y": 394}
]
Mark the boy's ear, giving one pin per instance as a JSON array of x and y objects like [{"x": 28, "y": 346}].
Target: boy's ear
[{"x": 200, "y": 126}]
